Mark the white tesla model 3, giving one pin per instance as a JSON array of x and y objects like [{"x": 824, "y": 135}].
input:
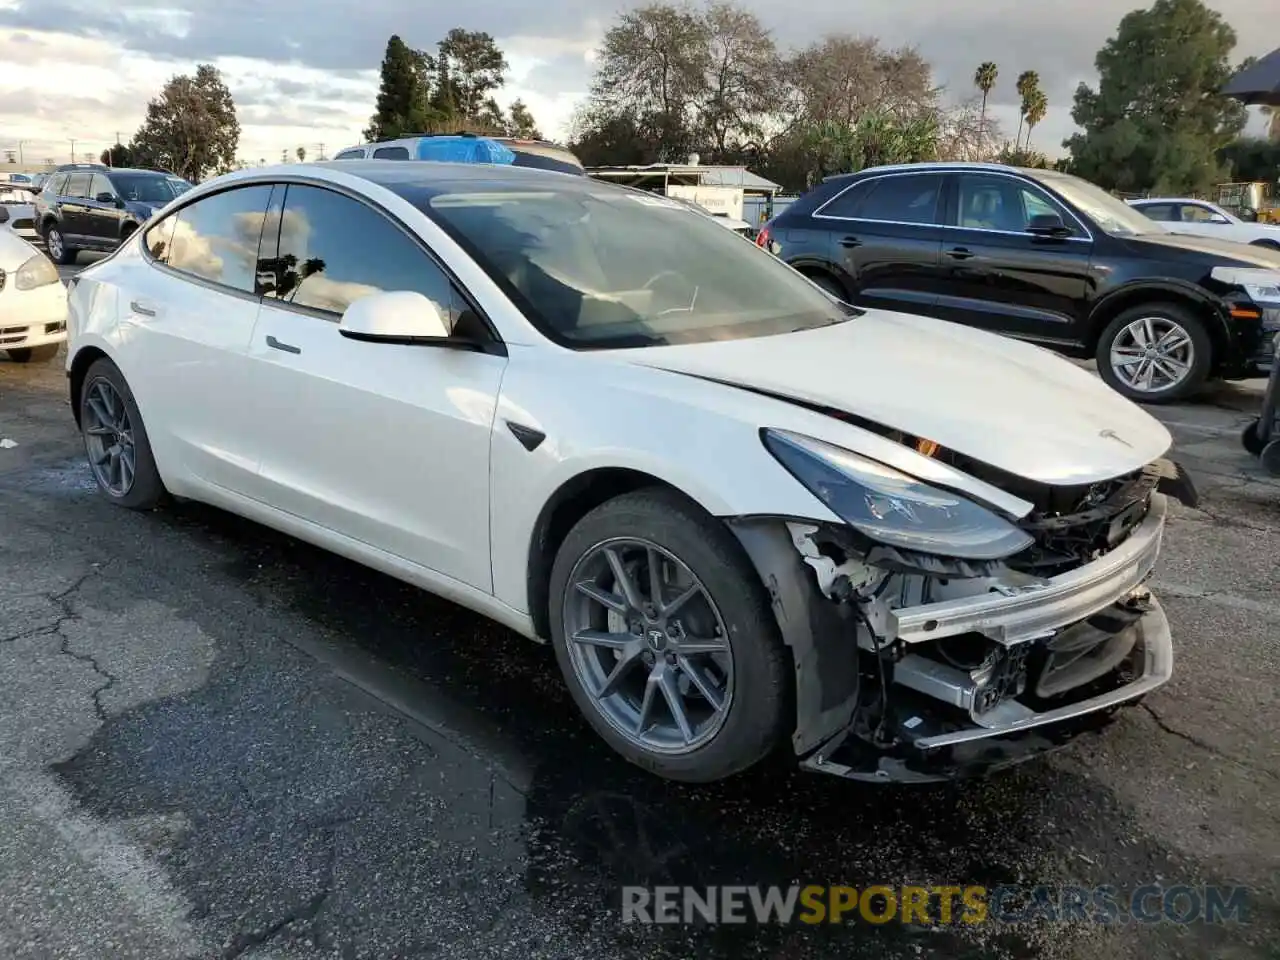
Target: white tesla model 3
[{"x": 747, "y": 516}]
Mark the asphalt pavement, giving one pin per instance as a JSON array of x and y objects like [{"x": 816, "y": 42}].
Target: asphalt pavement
[{"x": 218, "y": 742}]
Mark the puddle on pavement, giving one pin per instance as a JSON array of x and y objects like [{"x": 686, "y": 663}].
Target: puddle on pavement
[{"x": 295, "y": 792}]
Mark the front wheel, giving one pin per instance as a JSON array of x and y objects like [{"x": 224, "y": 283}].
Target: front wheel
[
  {"x": 1269, "y": 244},
  {"x": 1155, "y": 353},
  {"x": 40, "y": 354},
  {"x": 666, "y": 639},
  {"x": 115, "y": 439}
]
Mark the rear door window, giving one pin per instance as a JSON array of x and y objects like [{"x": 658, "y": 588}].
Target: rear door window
[
  {"x": 391, "y": 153},
  {"x": 913, "y": 198},
  {"x": 77, "y": 186}
]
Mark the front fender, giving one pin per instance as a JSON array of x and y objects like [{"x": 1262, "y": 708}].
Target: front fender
[{"x": 1170, "y": 288}]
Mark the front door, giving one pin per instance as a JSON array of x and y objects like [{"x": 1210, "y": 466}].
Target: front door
[
  {"x": 73, "y": 208},
  {"x": 1002, "y": 278},
  {"x": 386, "y": 444},
  {"x": 103, "y": 213},
  {"x": 886, "y": 239}
]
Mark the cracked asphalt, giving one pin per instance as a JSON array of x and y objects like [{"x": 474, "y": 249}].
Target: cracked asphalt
[{"x": 217, "y": 742}]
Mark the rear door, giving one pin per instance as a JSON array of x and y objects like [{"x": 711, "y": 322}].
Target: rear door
[
  {"x": 74, "y": 208},
  {"x": 189, "y": 313},
  {"x": 387, "y": 444},
  {"x": 1002, "y": 278},
  {"x": 886, "y": 239}
]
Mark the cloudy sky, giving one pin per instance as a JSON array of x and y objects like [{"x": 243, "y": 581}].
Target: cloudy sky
[{"x": 305, "y": 74}]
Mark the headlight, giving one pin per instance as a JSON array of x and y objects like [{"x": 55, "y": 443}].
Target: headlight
[
  {"x": 36, "y": 272},
  {"x": 892, "y": 508},
  {"x": 1262, "y": 286}
]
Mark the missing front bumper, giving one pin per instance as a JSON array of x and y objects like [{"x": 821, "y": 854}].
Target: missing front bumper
[{"x": 1011, "y": 734}]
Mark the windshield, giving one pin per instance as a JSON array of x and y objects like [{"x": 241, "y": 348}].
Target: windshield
[
  {"x": 601, "y": 267},
  {"x": 144, "y": 188},
  {"x": 1110, "y": 213}
]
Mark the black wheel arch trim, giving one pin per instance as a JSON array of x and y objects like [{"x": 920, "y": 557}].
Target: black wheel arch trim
[
  {"x": 820, "y": 634},
  {"x": 1219, "y": 328}
]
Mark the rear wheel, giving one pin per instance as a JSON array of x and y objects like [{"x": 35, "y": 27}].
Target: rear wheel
[
  {"x": 1155, "y": 353},
  {"x": 40, "y": 354},
  {"x": 666, "y": 639},
  {"x": 115, "y": 439},
  {"x": 59, "y": 252}
]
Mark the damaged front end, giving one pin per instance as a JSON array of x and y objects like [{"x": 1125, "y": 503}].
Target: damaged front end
[{"x": 912, "y": 665}]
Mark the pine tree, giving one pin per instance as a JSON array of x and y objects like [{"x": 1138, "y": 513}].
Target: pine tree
[{"x": 400, "y": 105}]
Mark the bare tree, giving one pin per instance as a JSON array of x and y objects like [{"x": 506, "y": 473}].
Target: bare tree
[{"x": 741, "y": 80}]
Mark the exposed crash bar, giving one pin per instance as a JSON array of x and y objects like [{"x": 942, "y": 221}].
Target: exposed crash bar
[
  {"x": 1035, "y": 610},
  {"x": 1158, "y": 648}
]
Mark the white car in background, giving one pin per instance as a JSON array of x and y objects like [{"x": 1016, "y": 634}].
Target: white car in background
[
  {"x": 1205, "y": 219},
  {"x": 18, "y": 211},
  {"x": 745, "y": 515},
  {"x": 33, "y": 302}
]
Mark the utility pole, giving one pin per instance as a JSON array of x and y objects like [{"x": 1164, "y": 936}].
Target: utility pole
[
  {"x": 20, "y": 160},
  {"x": 73, "y": 150}
]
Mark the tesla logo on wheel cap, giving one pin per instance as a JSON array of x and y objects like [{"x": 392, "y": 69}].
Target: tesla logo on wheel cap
[
  {"x": 657, "y": 639},
  {"x": 1112, "y": 435}
]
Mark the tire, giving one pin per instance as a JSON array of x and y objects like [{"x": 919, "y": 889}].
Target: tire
[
  {"x": 59, "y": 252},
  {"x": 1164, "y": 317},
  {"x": 40, "y": 354},
  {"x": 750, "y": 724},
  {"x": 146, "y": 490},
  {"x": 830, "y": 285}
]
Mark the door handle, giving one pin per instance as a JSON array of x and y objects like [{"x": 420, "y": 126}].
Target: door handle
[
  {"x": 140, "y": 308},
  {"x": 959, "y": 253},
  {"x": 275, "y": 344},
  {"x": 850, "y": 242}
]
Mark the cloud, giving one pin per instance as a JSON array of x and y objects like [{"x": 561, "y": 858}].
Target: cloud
[{"x": 306, "y": 75}]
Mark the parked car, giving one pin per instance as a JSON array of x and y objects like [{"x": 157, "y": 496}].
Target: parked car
[
  {"x": 17, "y": 212},
  {"x": 33, "y": 302},
  {"x": 540, "y": 154},
  {"x": 89, "y": 206},
  {"x": 742, "y": 512},
  {"x": 1205, "y": 219},
  {"x": 1045, "y": 257}
]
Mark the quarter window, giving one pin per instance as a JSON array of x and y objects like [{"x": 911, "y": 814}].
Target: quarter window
[
  {"x": 350, "y": 155},
  {"x": 905, "y": 199},
  {"x": 1193, "y": 213},
  {"x": 845, "y": 205},
  {"x": 216, "y": 238},
  {"x": 391, "y": 153},
  {"x": 335, "y": 250}
]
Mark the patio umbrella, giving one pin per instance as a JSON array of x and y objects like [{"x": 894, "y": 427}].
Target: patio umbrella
[{"x": 1259, "y": 85}]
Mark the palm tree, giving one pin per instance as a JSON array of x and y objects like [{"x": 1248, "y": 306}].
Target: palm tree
[
  {"x": 984, "y": 78},
  {"x": 302, "y": 154},
  {"x": 1028, "y": 81},
  {"x": 1036, "y": 107}
]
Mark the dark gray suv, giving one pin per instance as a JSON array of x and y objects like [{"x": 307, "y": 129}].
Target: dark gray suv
[{"x": 88, "y": 206}]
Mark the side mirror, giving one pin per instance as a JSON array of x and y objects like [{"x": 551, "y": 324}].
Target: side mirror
[
  {"x": 1048, "y": 225},
  {"x": 105, "y": 197},
  {"x": 400, "y": 316},
  {"x": 4, "y": 215}
]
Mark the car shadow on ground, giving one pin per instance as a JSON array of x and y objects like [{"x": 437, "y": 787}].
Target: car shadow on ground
[{"x": 303, "y": 810}]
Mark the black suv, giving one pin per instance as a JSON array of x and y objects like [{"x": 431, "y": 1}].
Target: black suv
[
  {"x": 1043, "y": 256},
  {"x": 87, "y": 206}
]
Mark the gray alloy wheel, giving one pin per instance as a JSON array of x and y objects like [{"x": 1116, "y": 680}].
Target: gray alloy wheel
[
  {"x": 1153, "y": 355},
  {"x": 648, "y": 643},
  {"x": 59, "y": 252},
  {"x": 108, "y": 433}
]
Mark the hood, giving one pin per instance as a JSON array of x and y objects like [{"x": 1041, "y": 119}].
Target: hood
[
  {"x": 1008, "y": 404},
  {"x": 142, "y": 210},
  {"x": 1230, "y": 252},
  {"x": 14, "y": 251}
]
